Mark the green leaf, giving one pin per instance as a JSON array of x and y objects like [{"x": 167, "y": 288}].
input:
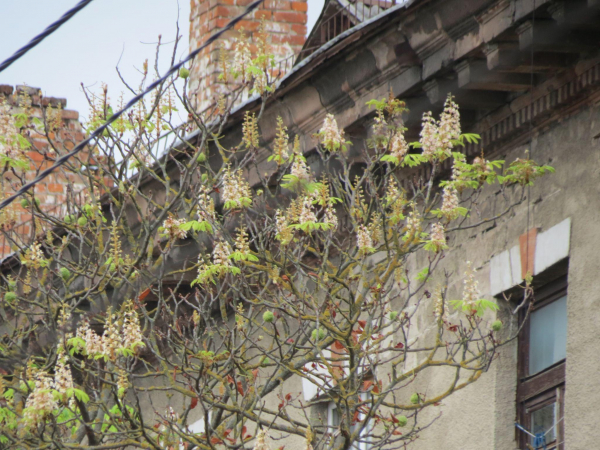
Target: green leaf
[
  {"x": 391, "y": 159},
  {"x": 77, "y": 345},
  {"x": 187, "y": 226},
  {"x": 411, "y": 160},
  {"x": 423, "y": 274},
  {"x": 80, "y": 395}
]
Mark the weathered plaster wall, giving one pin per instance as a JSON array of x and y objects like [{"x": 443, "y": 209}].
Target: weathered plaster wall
[
  {"x": 483, "y": 415},
  {"x": 407, "y": 57},
  {"x": 404, "y": 55}
]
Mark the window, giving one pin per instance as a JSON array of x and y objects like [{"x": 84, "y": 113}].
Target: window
[
  {"x": 541, "y": 372},
  {"x": 548, "y": 335},
  {"x": 334, "y": 421}
]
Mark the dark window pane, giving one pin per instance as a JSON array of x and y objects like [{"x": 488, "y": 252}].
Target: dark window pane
[
  {"x": 334, "y": 417},
  {"x": 548, "y": 335}
]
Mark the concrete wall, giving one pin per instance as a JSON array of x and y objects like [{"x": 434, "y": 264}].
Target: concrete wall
[
  {"x": 483, "y": 415},
  {"x": 557, "y": 120},
  {"x": 415, "y": 54}
]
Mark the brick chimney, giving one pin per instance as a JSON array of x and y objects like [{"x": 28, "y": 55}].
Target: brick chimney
[
  {"x": 52, "y": 195},
  {"x": 284, "y": 22}
]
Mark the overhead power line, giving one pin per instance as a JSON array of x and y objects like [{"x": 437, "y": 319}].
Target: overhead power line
[
  {"x": 44, "y": 34},
  {"x": 63, "y": 159}
]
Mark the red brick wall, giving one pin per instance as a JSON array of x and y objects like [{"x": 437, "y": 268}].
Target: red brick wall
[
  {"x": 284, "y": 21},
  {"x": 52, "y": 192}
]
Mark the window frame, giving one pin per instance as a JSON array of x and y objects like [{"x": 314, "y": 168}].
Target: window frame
[
  {"x": 548, "y": 385},
  {"x": 357, "y": 445}
]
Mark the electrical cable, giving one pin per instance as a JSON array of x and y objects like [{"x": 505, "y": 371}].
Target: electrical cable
[
  {"x": 44, "y": 34},
  {"x": 98, "y": 132}
]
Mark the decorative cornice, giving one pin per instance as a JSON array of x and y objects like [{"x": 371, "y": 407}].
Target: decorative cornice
[{"x": 538, "y": 112}]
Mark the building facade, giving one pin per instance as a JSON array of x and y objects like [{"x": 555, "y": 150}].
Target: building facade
[{"x": 526, "y": 76}]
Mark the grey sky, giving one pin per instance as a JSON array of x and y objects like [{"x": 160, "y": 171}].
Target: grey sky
[{"x": 88, "y": 47}]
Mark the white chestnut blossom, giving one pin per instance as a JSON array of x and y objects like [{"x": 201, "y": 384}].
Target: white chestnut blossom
[
  {"x": 429, "y": 135},
  {"x": 117, "y": 334},
  {"x": 172, "y": 228},
  {"x": 456, "y": 170},
  {"x": 437, "y": 136},
  {"x": 40, "y": 402},
  {"x": 282, "y": 225},
  {"x": 34, "y": 256},
  {"x": 299, "y": 168},
  {"x": 93, "y": 342},
  {"x": 413, "y": 223},
  {"x": 111, "y": 339},
  {"x": 398, "y": 146},
  {"x": 330, "y": 217},
  {"x": 330, "y": 135},
  {"x": 438, "y": 236},
  {"x": 449, "y": 128},
  {"x": 242, "y": 58},
  {"x": 206, "y": 206},
  {"x": 132, "y": 332},
  {"x": 9, "y": 144},
  {"x": 235, "y": 188},
  {"x": 363, "y": 239},
  {"x": 306, "y": 213},
  {"x": 63, "y": 379},
  {"x": 471, "y": 287},
  {"x": 380, "y": 125},
  {"x": 260, "y": 443},
  {"x": 440, "y": 305},
  {"x": 241, "y": 242},
  {"x": 261, "y": 82},
  {"x": 281, "y": 222},
  {"x": 450, "y": 202},
  {"x": 221, "y": 253}
]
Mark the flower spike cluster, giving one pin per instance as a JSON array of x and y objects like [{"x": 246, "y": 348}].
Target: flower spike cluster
[
  {"x": 250, "y": 137},
  {"x": 437, "y": 137},
  {"x": 330, "y": 136},
  {"x": 471, "y": 287},
  {"x": 206, "y": 206},
  {"x": 242, "y": 248},
  {"x": 236, "y": 190},
  {"x": 450, "y": 202},
  {"x": 40, "y": 402},
  {"x": 260, "y": 443},
  {"x": 440, "y": 310},
  {"x": 281, "y": 145},
  {"x": 172, "y": 228},
  {"x": 34, "y": 257},
  {"x": 363, "y": 240},
  {"x": 122, "y": 336},
  {"x": 313, "y": 211},
  {"x": 242, "y": 58},
  {"x": 221, "y": 265},
  {"x": 437, "y": 237},
  {"x": 398, "y": 147}
]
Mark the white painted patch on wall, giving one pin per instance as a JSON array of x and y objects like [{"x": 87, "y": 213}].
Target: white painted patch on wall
[
  {"x": 500, "y": 273},
  {"x": 552, "y": 246}
]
